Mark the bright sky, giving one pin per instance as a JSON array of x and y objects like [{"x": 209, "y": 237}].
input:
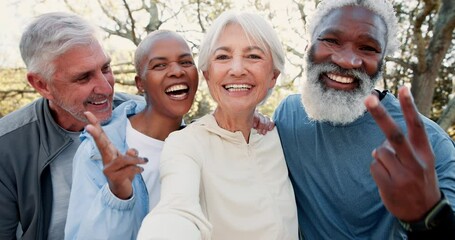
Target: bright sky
[{"x": 14, "y": 15}]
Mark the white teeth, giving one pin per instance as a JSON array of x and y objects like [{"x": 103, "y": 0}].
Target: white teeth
[
  {"x": 237, "y": 87},
  {"x": 99, "y": 103},
  {"x": 341, "y": 79},
  {"x": 177, "y": 87}
]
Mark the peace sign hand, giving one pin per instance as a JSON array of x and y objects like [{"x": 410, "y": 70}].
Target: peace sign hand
[
  {"x": 119, "y": 169},
  {"x": 404, "y": 166}
]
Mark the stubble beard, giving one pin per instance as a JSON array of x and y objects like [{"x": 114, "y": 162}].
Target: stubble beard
[
  {"x": 78, "y": 113},
  {"x": 338, "y": 107}
]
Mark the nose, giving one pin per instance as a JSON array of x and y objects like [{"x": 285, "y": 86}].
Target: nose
[
  {"x": 175, "y": 70},
  {"x": 104, "y": 84},
  {"x": 347, "y": 58},
  {"x": 237, "y": 66}
]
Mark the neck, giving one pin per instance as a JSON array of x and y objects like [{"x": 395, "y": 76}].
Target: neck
[
  {"x": 235, "y": 121},
  {"x": 155, "y": 125}
]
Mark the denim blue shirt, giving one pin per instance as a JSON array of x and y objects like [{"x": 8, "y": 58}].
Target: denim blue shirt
[{"x": 94, "y": 212}]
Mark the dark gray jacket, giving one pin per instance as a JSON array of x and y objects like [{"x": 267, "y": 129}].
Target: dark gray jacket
[{"x": 30, "y": 140}]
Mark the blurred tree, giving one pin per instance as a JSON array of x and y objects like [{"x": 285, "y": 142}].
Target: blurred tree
[
  {"x": 14, "y": 90},
  {"x": 425, "y": 60}
]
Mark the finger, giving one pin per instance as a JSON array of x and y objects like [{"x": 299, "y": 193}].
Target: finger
[
  {"x": 380, "y": 174},
  {"x": 107, "y": 149},
  {"x": 392, "y": 131},
  {"x": 135, "y": 155},
  {"x": 265, "y": 124},
  {"x": 117, "y": 178},
  {"x": 255, "y": 123},
  {"x": 271, "y": 125},
  {"x": 92, "y": 119},
  {"x": 416, "y": 129},
  {"x": 132, "y": 152},
  {"x": 387, "y": 157},
  {"x": 123, "y": 161}
]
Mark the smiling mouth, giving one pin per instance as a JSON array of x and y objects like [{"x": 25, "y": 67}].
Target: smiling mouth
[
  {"x": 178, "y": 90},
  {"x": 100, "y": 102},
  {"x": 340, "y": 79},
  {"x": 237, "y": 87}
]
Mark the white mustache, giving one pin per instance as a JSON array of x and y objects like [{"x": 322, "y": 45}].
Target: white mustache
[{"x": 335, "y": 106}]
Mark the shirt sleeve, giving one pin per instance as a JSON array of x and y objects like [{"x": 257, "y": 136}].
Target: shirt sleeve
[
  {"x": 94, "y": 212},
  {"x": 178, "y": 215},
  {"x": 9, "y": 219}
]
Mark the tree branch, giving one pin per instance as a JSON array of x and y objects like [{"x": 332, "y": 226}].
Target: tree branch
[
  {"x": 430, "y": 5},
  {"x": 447, "y": 118}
]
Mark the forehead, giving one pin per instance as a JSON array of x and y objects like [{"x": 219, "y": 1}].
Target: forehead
[
  {"x": 233, "y": 35},
  {"x": 82, "y": 58},
  {"x": 229, "y": 32},
  {"x": 353, "y": 20},
  {"x": 168, "y": 45}
]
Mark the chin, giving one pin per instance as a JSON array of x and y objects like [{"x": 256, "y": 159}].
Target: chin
[{"x": 339, "y": 107}]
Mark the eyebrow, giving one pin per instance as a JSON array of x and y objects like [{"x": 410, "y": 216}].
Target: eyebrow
[
  {"x": 364, "y": 36},
  {"x": 79, "y": 74},
  {"x": 165, "y": 58},
  {"x": 249, "y": 48},
  {"x": 108, "y": 61}
]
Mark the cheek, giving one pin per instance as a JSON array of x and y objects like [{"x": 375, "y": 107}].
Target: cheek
[
  {"x": 319, "y": 53},
  {"x": 194, "y": 76},
  {"x": 215, "y": 73},
  {"x": 154, "y": 77},
  {"x": 110, "y": 78},
  {"x": 372, "y": 65}
]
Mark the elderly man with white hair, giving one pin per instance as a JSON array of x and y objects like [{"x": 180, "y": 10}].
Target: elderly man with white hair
[{"x": 364, "y": 165}]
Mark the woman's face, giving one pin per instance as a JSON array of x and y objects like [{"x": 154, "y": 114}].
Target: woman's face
[
  {"x": 240, "y": 71},
  {"x": 171, "y": 78}
]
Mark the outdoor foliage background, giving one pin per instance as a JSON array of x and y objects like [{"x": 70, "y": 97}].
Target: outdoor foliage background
[{"x": 425, "y": 61}]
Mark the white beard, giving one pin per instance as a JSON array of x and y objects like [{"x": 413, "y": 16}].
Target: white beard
[{"x": 335, "y": 106}]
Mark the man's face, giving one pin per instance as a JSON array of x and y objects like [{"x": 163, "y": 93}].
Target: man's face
[
  {"x": 83, "y": 81},
  {"x": 343, "y": 64}
]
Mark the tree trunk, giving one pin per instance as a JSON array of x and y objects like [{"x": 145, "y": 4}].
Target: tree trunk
[
  {"x": 431, "y": 55},
  {"x": 447, "y": 118}
]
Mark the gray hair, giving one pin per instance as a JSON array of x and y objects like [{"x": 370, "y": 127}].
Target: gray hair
[
  {"x": 143, "y": 49},
  {"x": 51, "y": 35},
  {"x": 383, "y": 8},
  {"x": 254, "y": 26}
]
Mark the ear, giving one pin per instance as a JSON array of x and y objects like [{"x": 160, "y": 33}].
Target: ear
[
  {"x": 139, "y": 84},
  {"x": 276, "y": 73},
  {"x": 41, "y": 85}
]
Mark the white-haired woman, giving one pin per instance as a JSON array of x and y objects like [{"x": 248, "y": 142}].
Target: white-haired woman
[{"x": 220, "y": 178}]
